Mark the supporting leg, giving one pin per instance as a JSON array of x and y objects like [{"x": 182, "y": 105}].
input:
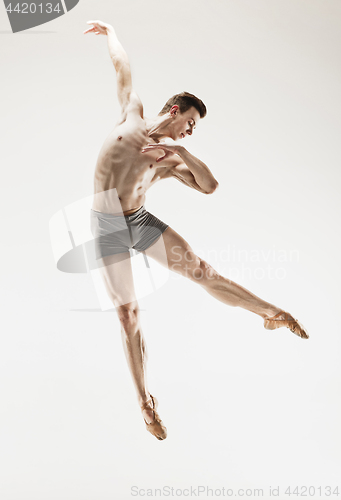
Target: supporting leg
[
  {"x": 135, "y": 350},
  {"x": 117, "y": 275}
]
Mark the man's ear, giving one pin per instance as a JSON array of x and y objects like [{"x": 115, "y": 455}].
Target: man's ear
[{"x": 174, "y": 110}]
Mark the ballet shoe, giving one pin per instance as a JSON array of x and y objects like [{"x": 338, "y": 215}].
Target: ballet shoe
[
  {"x": 155, "y": 427},
  {"x": 288, "y": 321}
]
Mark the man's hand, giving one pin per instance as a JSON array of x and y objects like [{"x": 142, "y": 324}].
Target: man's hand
[
  {"x": 99, "y": 28},
  {"x": 168, "y": 149}
]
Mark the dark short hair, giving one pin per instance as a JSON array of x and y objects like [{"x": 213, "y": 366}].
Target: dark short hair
[{"x": 185, "y": 100}]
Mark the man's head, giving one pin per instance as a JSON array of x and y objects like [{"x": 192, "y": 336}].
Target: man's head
[{"x": 185, "y": 110}]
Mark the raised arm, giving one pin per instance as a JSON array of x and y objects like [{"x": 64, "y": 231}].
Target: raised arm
[{"x": 127, "y": 98}]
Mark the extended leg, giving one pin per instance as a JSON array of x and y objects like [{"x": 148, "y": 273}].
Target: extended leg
[{"x": 172, "y": 251}]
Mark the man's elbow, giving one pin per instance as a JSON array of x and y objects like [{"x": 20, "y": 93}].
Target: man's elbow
[
  {"x": 120, "y": 61},
  {"x": 212, "y": 188}
]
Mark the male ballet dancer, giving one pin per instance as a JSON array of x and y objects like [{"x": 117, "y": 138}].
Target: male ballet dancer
[{"x": 131, "y": 160}]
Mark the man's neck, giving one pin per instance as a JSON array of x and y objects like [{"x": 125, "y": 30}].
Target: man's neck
[{"x": 157, "y": 128}]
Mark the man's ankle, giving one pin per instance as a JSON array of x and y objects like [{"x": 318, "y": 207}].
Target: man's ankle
[
  {"x": 270, "y": 313},
  {"x": 144, "y": 399}
]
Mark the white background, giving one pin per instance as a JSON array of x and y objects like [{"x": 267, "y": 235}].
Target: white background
[{"x": 244, "y": 407}]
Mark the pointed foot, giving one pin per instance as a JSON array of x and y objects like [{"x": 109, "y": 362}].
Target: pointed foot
[{"x": 284, "y": 319}]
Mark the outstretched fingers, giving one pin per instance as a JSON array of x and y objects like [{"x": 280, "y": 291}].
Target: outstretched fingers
[
  {"x": 99, "y": 28},
  {"x": 149, "y": 147},
  {"x": 89, "y": 30},
  {"x": 161, "y": 158}
]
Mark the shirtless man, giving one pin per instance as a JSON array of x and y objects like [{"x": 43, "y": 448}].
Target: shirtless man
[{"x": 132, "y": 159}]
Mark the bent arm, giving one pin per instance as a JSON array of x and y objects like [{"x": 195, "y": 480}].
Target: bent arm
[
  {"x": 202, "y": 175},
  {"x": 185, "y": 167},
  {"x": 183, "y": 174}
]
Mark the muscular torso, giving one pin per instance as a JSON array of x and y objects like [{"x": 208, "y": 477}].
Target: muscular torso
[{"x": 122, "y": 168}]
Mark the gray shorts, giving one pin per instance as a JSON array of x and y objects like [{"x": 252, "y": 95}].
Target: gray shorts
[{"x": 118, "y": 233}]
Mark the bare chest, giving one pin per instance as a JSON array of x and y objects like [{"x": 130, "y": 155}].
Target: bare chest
[{"x": 121, "y": 163}]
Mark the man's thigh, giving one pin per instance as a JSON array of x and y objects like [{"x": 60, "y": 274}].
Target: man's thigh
[
  {"x": 117, "y": 274},
  {"x": 172, "y": 250}
]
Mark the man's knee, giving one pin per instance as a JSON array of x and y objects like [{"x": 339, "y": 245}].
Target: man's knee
[
  {"x": 203, "y": 272},
  {"x": 194, "y": 268},
  {"x": 128, "y": 315}
]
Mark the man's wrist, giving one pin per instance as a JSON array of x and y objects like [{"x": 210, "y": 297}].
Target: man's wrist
[
  {"x": 110, "y": 29},
  {"x": 180, "y": 149}
]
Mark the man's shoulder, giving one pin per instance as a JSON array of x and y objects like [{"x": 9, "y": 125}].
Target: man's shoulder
[{"x": 133, "y": 107}]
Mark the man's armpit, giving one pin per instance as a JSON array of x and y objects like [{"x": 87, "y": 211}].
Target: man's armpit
[{"x": 134, "y": 104}]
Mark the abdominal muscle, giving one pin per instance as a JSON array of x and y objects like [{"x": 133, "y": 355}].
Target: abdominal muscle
[{"x": 112, "y": 198}]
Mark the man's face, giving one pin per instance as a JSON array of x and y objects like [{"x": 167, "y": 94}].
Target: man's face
[{"x": 183, "y": 124}]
